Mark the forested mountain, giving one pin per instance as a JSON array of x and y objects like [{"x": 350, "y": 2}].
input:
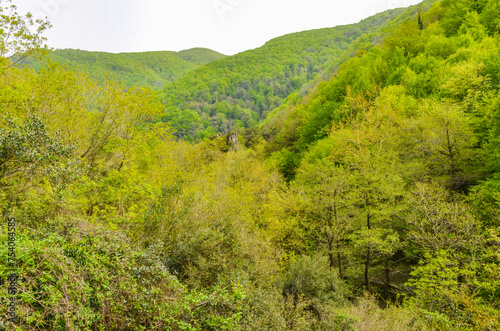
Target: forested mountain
[
  {"x": 243, "y": 89},
  {"x": 368, "y": 200},
  {"x": 423, "y": 61},
  {"x": 153, "y": 69}
]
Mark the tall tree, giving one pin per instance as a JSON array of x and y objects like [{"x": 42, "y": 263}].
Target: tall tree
[
  {"x": 365, "y": 187},
  {"x": 330, "y": 209},
  {"x": 441, "y": 142}
]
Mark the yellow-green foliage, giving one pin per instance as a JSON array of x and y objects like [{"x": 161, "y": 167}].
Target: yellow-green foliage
[
  {"x": 240, "y": 90},
  {"x": 369, "y": 204}
]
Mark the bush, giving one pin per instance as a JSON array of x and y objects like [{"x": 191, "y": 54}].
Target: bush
[{"x": 311, "y": 278}]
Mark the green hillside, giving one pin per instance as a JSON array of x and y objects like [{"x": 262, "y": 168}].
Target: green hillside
[
  {"x": 243, "y": 89},
  {"x": 154, "y": 69},
  {"x": 422, "y": 63},
  {"x": 368, "y": 200}
]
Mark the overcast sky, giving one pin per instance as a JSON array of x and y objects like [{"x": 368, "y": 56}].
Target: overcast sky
[{"x": 227, "y": 26}]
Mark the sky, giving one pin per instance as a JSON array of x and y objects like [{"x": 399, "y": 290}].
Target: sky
[{"x": 226, "y": 26}]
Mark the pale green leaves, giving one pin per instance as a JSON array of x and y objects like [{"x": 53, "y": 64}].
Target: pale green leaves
[{"x": 20, "y": 36}]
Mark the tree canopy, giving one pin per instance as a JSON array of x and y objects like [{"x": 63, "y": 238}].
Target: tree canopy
[{"x": 367, "y": 198}]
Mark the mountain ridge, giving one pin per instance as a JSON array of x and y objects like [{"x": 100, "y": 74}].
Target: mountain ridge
[
  {"x": 241, "y": 90},
  {"x": 154, "y": 69}
]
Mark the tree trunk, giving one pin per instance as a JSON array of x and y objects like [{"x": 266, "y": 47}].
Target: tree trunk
[
  {"x": 341, "y": 267},
  {"x": 368, "y": 256},
  {"x": 367, "y": 269},
  {"x": 387, "y": 273},
  {"x": 331, "y": 258}
]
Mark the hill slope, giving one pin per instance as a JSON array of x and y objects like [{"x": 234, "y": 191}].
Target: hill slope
[
  {"x": 242, "y": 89},
  {"x": 389, "y": 219},
  {"x": 154, "y": 69}
]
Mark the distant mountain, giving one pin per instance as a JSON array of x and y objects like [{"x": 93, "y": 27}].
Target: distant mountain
[
  {"x": 243, "y": 89},
  {"x": 200, "y": 56},
  {"x": 154, "y": 69}
]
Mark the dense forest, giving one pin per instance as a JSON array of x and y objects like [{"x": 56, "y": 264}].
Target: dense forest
[
  {"x": 241, "y": 90},
  {"x": 364, "y": 194}
]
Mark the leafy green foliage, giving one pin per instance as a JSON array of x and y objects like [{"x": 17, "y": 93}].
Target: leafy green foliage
[
  {"x": 26, "y": 148},
  {"x": 20, "y": 36},
  {"x": 383, "y": 156},
  {"x": 367, "y": 200},
  {"x": 312, "y": 279}
]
